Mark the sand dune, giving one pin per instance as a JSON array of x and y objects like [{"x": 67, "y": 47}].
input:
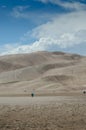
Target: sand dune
[{"x": 43, "y": 72}]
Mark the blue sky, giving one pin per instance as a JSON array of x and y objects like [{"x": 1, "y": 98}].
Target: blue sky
[{"x": 36, "y": 25}]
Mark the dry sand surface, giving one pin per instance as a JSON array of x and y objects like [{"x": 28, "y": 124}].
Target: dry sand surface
[
  {"x": 58, "y": 80},
  {"x": 45, "y": 73},
  {"x": 43, "y": 113}
]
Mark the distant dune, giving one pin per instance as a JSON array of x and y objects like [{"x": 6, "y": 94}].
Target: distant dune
[{"x": 42, "y": 72}]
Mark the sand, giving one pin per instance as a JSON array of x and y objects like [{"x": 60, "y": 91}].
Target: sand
[
  {"x": 43, "y": 113},
  {"x": 44, "y": 73},
  {"x": 58, "y": 80}
]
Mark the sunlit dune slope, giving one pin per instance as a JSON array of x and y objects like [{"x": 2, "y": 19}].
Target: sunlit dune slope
[{"x": 43, "y": 72}]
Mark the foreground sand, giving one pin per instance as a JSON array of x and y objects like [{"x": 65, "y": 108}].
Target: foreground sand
[{"x": 43, "y": 113}]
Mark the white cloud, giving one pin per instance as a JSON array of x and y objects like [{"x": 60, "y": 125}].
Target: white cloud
[
  {"x": 23, "y": 12},
  {"x": 20, "y": 12},
  {"x": 36, "y": 46},
  {"x": 65, "y": 4},
  {"x": 64, "y": 31},
  {"x": 66, "y": 23},
  {"x": 65, "y": 41},
  {"x": 67, "y": 30}
]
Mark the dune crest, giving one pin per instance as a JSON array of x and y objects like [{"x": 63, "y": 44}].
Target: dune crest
[{"x": 42, "y": 72}]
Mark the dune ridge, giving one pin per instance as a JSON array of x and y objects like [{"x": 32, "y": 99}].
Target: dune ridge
[{"x": 42, "y": 72}]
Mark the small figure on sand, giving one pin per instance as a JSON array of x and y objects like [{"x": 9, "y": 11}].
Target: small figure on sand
[
  {"x": 32, "y": 94},
  {"x": 84, "y": 92}
]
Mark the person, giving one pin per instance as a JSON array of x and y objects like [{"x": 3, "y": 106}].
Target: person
[
  {"x": 84, "y": 92},
  {"x": 32, "y": 94}
]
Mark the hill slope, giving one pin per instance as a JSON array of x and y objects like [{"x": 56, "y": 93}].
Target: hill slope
[{"x": 42, "y": 72}]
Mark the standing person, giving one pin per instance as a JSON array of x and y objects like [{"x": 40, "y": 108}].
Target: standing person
[{"x": 32, "y": 94}]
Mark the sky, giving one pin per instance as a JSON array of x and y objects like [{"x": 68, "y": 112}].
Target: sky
[{"x": 42, "y": 25}]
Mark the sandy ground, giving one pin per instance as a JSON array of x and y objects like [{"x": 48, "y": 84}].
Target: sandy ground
[
  {"x": 58, "y": 81},
  {"x": 43, "y": 113}
]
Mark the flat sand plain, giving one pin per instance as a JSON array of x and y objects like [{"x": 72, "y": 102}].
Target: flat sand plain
[{"x": 43, "y": 113}]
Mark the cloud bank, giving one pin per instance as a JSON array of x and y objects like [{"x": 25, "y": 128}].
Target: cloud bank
[
  {"x": 74, "y": 5},
  {"x": 20, "y": 12},
  {"x": 62, "y": 31}
]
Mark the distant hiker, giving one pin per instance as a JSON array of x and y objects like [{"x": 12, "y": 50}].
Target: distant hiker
[
  {"x": 32, "y": 94},
  {"x": 84, "y": 92}
]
